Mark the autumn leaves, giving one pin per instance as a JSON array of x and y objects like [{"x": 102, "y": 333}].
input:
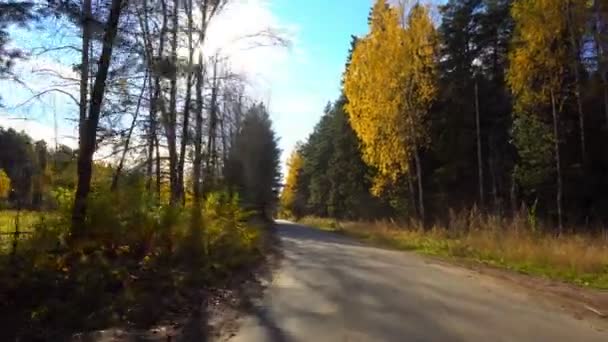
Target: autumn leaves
[{"x": 390, "y": 85}]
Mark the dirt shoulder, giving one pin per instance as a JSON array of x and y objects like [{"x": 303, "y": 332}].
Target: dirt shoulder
[{"x": 583, "y": 303}]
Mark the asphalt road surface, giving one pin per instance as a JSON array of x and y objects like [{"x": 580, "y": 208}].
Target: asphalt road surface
[{"x": 330, "y": 288}]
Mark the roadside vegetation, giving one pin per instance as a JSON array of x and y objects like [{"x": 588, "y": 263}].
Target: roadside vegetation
[
  {"x": 480, "y": 138},
  {"x": 169, "y": 187},
  {"x": 141, "y": 259}
]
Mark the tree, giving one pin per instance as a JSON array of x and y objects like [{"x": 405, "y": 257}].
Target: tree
[
  {"x": 317, "y": 153},
  {"x": 421, "y": 83},
  {"x": 536, "y": 76},
  {"x": 349, "y": 177},
  {"x": 374, "y": 88},
  {"x": 88, "y": 134},
  {"x": 390, "y": 85},
  {"x": 18, "y": 160},
  {"x": 5, "y": 185},
  {"x": 291, "y": 201},
  {"x": 253, "y": 165},
  {"x": 12, "y": 12}
]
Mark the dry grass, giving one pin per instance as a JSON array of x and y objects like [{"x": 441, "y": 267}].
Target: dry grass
[{"x": 516, "y": 244}]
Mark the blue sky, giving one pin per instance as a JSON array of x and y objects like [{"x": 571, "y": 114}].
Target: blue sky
[
  {"x": 323, "y": 35},
  {"x": 297, "y": 82}
]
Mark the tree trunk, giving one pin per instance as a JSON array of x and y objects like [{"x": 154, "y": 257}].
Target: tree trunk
[
  {"x": 420, "y": 189},
  {"x": 492, "y": 164},
  {"x": 513, "y": 195},
  {"x": 223, "y": 133},
  {"x": 198, "y": 139},
  {"x": 87, "y": 141},
  {"x": 125, "y": 150},
  {"x": 600, "y": 55},
  {"x": 84, "y": 67},
  {"x": 557, "y": 163},
  {"x": 149, "y": 52},
  {"x": 186, "y": 115},
  {"x": 412, "y": 192},
  {"x": 479, "y": 156},
  {"x": 170, "y": 118},
  {"x": 577, "y": 83},
  {"x": 211, "y": 142},
  {"x": 158, "y": 168},
  {"x": 152, "y": 131}
]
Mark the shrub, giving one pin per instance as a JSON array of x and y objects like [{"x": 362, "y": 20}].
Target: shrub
[{"x": 134, "y": 252}]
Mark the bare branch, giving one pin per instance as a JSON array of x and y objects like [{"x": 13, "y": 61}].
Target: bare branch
[
  {"x": 42, "y": 93},
  {"x": 44, "y": 50}
]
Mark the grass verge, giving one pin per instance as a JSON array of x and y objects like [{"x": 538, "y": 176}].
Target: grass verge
[{"x": 513, "y": 244}]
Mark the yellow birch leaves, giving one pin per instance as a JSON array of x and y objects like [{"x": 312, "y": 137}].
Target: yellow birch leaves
[
  {"x": 390, "y": 85},
  {"x": 290, "y": 190}
]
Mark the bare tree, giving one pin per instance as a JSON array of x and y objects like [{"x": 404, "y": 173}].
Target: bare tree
[{"x": 87, "y": 144}]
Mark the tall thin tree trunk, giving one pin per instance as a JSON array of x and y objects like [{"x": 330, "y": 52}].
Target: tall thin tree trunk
[
  {"x": 149, "y": 160},
  {"x": 479, "y": 156},
  {"x": 412, "y": 192},
  {"x": 492, "y": 164},
  {"x": 88, "y": 140},
  {"x": 198, "y": 139},
  {"x": 557, "y": 163},
  {"x": 158, "y": 168},
  {"x": 186, "y": 115},
  {"x": 600, "y": 55},
  {"x": 152, "y": 131},
  {"x": 513, "y": 195},
  {"x": 84, "y": 67},
  {"x": 420, "y": 188},
  {"x": 196, "y": 227},
  {"x": 577, "y": 81},
  {"x": 211, "y": 142},
  {"x": 125, "y": 150},
  {"x": 223, "y": 133},
  {"x": 170, "y": 118}
]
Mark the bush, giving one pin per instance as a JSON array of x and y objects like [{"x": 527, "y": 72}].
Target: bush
[
  {"x": 135, "y": 253},
  {"x": 230, "y": 240}
]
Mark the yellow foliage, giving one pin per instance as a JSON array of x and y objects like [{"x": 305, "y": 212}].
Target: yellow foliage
[
  {"x": 289, "y": 193},
  {"x": 390, "y": 85},
  {"x": 5, "y": 184},
  {"x": 538, "y": 56}
]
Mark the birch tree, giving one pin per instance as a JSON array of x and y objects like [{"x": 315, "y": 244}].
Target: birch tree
[{"x": 536, "y": 76}]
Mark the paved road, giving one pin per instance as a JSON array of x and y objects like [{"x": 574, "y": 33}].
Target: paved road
[{"x": 330, "y": 288}]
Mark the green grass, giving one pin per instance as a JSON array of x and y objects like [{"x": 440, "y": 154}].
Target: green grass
[{"x": 508, "y": 244}]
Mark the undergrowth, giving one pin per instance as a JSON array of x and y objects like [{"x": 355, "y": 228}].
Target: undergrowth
[{"x": 137, "y": 263}]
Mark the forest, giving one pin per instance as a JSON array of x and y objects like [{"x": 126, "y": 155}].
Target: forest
[
  {"x": 491, "y": 103},
  {"x": 172, "y": 185},
  {"x": 474, "y": 130}
]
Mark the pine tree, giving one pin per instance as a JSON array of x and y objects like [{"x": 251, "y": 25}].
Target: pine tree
[{"x": 253, "y": 166}]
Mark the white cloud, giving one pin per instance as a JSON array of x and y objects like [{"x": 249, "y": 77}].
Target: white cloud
[
  {"x": 38, "y": 130},
  {"x": 244, "y": 31}
]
